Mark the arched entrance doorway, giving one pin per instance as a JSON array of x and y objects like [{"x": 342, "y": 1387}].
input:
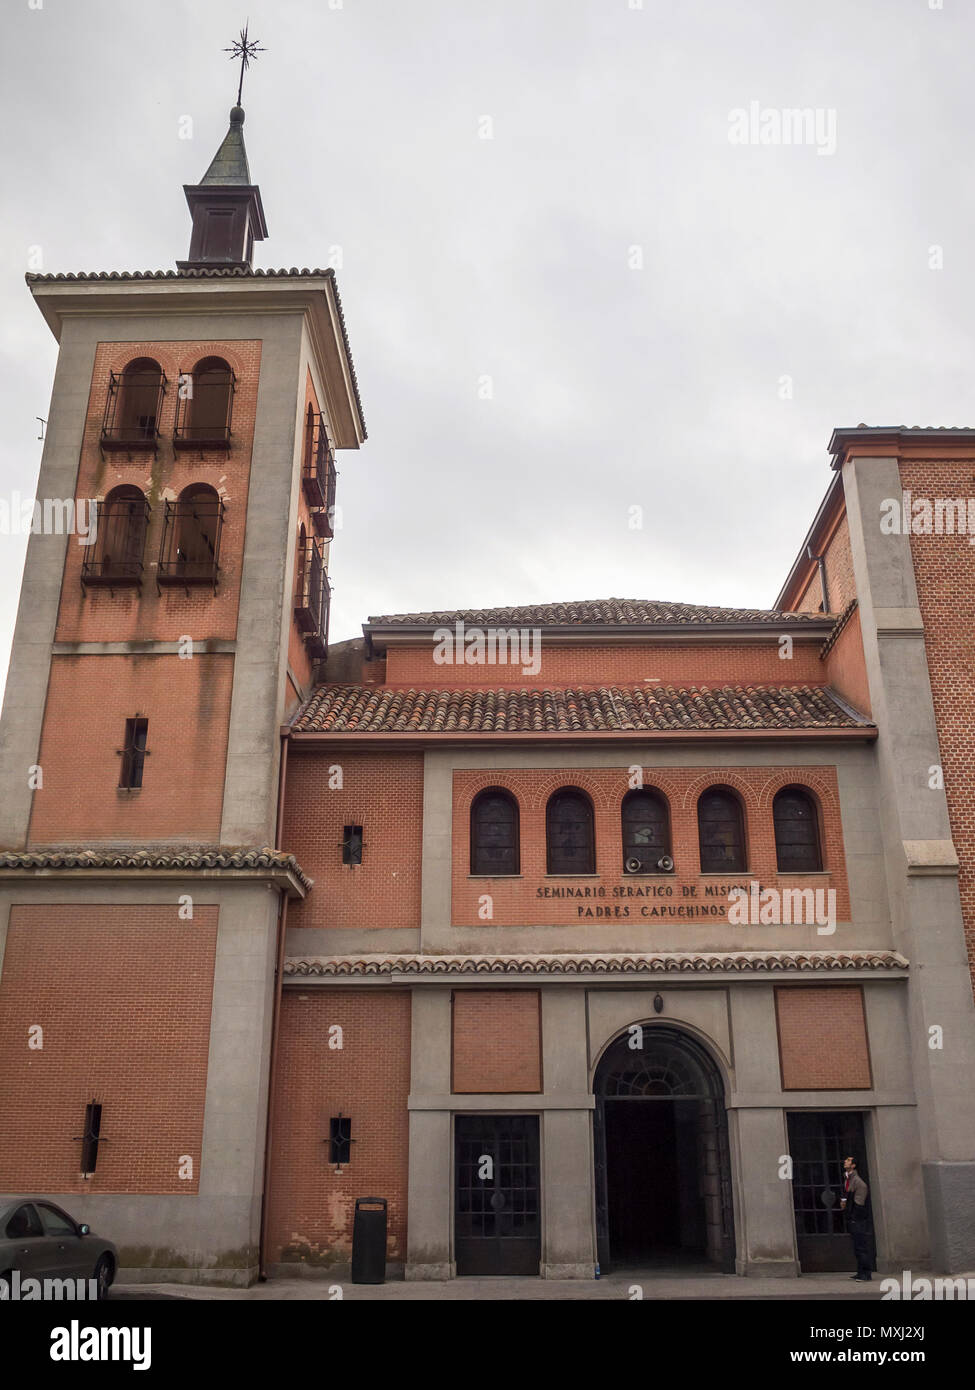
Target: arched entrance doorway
[{"x": 663, "y": 1172}]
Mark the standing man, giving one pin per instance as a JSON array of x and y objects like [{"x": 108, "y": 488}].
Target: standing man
[{"x": 854, "y": 1203}]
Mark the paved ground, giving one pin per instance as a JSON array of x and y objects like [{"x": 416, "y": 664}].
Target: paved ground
[{"x": 827, "y": 1287}]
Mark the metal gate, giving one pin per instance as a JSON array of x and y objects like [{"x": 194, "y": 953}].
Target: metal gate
[
  {"x": 818, "y": 1143},
  {"x": 497, "y": 1228}
]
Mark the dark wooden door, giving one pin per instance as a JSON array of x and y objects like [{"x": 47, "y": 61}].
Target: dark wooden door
[{"x": 497, "y": 1228}]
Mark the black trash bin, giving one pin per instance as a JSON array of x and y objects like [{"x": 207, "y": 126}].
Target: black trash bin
[{"x": 369, "y": 1241}]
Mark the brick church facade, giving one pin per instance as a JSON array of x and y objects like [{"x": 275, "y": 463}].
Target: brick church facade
[{"x": 580, "y": 932}]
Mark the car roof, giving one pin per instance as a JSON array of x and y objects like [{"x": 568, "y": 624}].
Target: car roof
[{"x": 14, "y": 1202}]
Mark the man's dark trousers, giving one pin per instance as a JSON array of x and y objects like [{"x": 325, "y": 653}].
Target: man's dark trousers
[{"x": 860, "y": 1231}]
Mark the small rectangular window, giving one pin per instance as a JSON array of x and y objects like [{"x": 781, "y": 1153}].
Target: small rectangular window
[
  {"x": 134, "y": 752},
  {"x": 340, "y": 1138},
  {"x": 352, "y": 844},
  {"x": 90, "y": 1138}
]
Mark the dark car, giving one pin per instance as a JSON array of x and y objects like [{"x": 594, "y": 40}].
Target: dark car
[{"x": 40, "y": 1241}]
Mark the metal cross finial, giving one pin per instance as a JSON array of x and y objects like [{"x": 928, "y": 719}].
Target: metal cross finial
[{"x": 245, "y": 49}]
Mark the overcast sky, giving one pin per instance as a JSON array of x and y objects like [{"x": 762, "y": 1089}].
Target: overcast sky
[{"x": 783, "y": 290}]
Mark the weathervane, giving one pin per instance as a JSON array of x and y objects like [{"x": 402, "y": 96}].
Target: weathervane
[{"x": 245, "y": 49}]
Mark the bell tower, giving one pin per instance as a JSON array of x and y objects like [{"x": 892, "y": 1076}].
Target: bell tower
[
  {"x": 228, "y": 216},
  {"x": 195, "y": 414}
]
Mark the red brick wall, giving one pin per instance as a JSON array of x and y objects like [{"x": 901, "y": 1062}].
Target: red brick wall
[
  {"x": 497, "y": 1041},
  {"x": 101, "y": 616},
  {"x": 944, "y": 568},
  {"x": 516, "y": 901},
  {"x": 311, "y": 1205},
  {"x": 711, "y": 664},
  {"x": 382, "y": 792},
  {"x": 846, "y": 669},
  {"x": 123, "y": 995},
  {"x": 823, "y": 1038},
  {"x": 187, "y": 703},
  {"x": 840, "y": 581}
]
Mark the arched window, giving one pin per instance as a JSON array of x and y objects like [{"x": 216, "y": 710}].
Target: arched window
[
  {"x": 199, "y": 513},
  {"x": 646, "y": 831},
  {"x": 797, "y": 846},
  {"x": 191, "y": 538},
  {"x": 123, "y": 526},
  {"x": 139, "y": 399},
  {"x": 120, "y": 538},
  {"x": 721, "y": 832},
  {"x": 318, "y": 474},
  {"x": 309, "y": 438},
  {"x": 301, "y": 560},
  {"x": 205, "y": 404},
  {"x": 494, "y": 833},
  {"x": 569, "y": 833}
]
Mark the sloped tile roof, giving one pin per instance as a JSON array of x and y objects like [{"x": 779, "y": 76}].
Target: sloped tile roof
[
  {"x": 190, "y": 859},
  {"x": 838, "y": 627},
  {"x": 642, "y": 708},
  {"x": 676, "y": 962},
  {"x": 628, "y": 612}
]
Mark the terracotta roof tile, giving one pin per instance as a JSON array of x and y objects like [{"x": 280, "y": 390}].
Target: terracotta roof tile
[
  {"x": 191, "y": 273},
  {"x": 838, "y": 627},
  {"x": 623, "y": 612},
  {"x": 644, "y": 709}
]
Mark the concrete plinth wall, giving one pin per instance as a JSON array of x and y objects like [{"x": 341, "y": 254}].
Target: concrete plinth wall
[
  {"x": 568, "y": 1237},
  {"x": 431, "y": 1159}
]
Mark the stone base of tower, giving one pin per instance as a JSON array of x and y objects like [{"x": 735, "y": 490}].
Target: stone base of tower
[
  {"x": 174, "y": 1240},
  {"x": 949, "y": 1192},
  {"x": 164, "y": 1021}
]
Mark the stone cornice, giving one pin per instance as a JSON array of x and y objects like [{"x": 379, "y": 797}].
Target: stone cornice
[
  {"x": 220, "y": 289},
  {"x": 716, "y": 963},
  {"x": 214, "y": 862}
]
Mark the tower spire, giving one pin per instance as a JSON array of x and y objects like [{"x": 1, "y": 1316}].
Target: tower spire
[
  {"x": 245, "y": 49},
  {"x": 228, "y": 216}
]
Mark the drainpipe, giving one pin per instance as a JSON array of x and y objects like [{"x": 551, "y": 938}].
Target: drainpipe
[
  {"x": 275, "y": 1017},
  {"x": 821, "y": 562}
]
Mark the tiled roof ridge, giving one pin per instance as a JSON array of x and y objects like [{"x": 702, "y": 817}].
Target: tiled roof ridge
[
  {"x": 191, "y": 857},
  {"x": 593, "y": 962},
  {"x": 838, "y": 627},
  {"x": 890, "y": 429},
  {"x": 608, "y": 611},
  {"x": 350, "y": 708},
  {"x": 191, "y": 273}
]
